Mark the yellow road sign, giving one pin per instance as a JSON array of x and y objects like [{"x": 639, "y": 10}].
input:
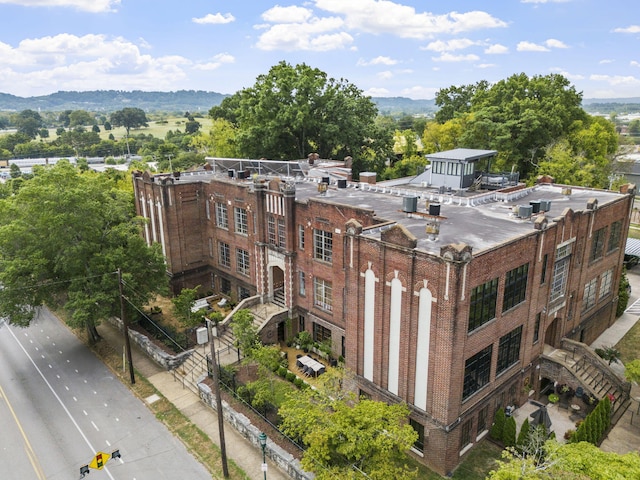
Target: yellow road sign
[{"x": 99, "y": 461}]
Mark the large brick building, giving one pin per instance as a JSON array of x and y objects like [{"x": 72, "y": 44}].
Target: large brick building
[{"x": 439, "y": 294}]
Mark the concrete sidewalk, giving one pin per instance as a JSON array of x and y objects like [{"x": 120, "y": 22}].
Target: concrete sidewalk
[{"x": 243, "y": 453}]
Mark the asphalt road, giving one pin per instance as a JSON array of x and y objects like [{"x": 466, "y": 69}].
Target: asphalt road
[{"x": 59, "y": 406}]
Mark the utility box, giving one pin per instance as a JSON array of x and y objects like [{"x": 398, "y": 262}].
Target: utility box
[{"x": 202, "y": 335}]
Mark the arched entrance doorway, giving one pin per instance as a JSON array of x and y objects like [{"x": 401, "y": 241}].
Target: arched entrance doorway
[
  {"x": 552, "y": 334},
  {"x": 277, "y": 286}
]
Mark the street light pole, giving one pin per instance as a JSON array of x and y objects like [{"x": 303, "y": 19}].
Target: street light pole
[
  {"x": 216, "y": 389},
  {"x": 263, "y": 443}
]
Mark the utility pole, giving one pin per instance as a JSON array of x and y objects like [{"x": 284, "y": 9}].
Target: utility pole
[
  {"x": 216, "y": 390},
  {"x": 125, "y": 324}
]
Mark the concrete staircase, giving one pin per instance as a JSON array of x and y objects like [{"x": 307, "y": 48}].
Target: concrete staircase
[{"x": 195, "y": 366}]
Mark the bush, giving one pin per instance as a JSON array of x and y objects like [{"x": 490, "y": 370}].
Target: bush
[
  {"x": 509, "y": 433},
  {"x": 291, "y": 376},
  {"x": 498, "y": 425},
  {"x": 298, "y": 382},
  {"x": 282, "y": 372},
  {"x": 524, "y": 433}
]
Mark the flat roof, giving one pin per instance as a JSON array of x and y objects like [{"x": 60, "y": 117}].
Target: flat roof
[{"x": 462, "y": 154}]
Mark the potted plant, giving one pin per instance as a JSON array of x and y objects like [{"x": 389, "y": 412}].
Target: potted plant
[{"x": 304, "y": 340}]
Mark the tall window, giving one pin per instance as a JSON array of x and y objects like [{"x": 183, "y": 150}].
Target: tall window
[
  {"x": 222, "y": 221},
  {"x": 543, "y": 275},
  {"x": 614, "y": 236},
  {"x": 589, "y": 297},
  {"x": 482, "y": 306},
  {"x": 322, "y": 245},
  {"x": 302, "y": 284},
  {"x": 465, "y": 435},
  {"x": 509, "y": 349},
  {"x": 224, "y": 255},
  {"x": 320, "y": 333},
  {"x": 322, "y": 294},
  {"x": 515, "y": 287},
  {"x": 477, "y": 370},
  {"x": 301, "y": 323},
  {"x": 301, "y": 237},
  {"x": 597, "y": 244},
  {"x": 536, "y": 329},
  {"x": 605, "y": 283},
  {"x": 282, "y": 237},
  {"x": 225, "y": 286},
  {"x": 271, "y": 230},
  {"x": 483, "y": 415},
  {"x": 560, "y": 271},
  {"x": 243, "y": 293},
  {"x": 242, "y": 261},
  {"x": 242, "y": 227},
  {"x": 419, "y": 429}
]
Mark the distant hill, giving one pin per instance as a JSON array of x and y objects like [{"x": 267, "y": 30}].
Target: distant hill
[
  {"x": 180, "y": 101},
  {"x": 200, "y": 101}
]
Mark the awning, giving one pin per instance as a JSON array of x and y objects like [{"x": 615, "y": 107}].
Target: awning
[{"x": 633, "y": 247}]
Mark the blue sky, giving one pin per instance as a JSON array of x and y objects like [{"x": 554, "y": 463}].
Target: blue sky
[{"x": 408, "y": 48}]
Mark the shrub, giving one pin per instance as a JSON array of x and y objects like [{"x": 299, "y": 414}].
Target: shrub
[
  {"x": 291, "y": 376},
  {"x": 524, "y": 433},
  {"x": 498, "y": 425},
  {"x": 298, "y": 382},
  {"x": 282, "y": 372},
  {"x": 509, "y": 432},
  {"x": 569, "y": 434}
]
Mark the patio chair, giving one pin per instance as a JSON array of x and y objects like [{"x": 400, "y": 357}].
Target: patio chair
[{"x": 579, "y": 392}]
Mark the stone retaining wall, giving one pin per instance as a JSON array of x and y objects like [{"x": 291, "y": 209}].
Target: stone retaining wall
[{"x": 285, "y": 461}]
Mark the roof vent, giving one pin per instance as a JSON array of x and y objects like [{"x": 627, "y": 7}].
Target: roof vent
[
  {"x": 525, "y": 211},
  {"x": 410, "y": 204},
  {"x": 535, "y": 206}
]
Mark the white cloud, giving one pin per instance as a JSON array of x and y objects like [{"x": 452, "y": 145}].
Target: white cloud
[
  {"x": 291, "y": 14},
  {"x": 70, "y": 62},
  {"x": 377, "y": 92},
  {"x": 567, "y": 75},
  {"x": 317, "y": 34},
  {"x": 377, "y": 61},
  {"x": 419, "y": 92},
  {"x": 384, "y": 16},
  {"x": 617, "y": 80},
  {"x": 447, "y": 57},
  {"x": 450, "y": 45},
  {"x": 629, "y": 29},
  {"x": 217, "y": 61},
  {"x": 606, "y": 61},
  {"x": 485, "y": 65},
  {"x": 531, "y": 47},
  {"x": 386, "y": 75},
  {"x": 633, "y": 63},
  {"x": 553, "y": 43},
  {"x": 496, "y": 49},
  {"x": 214, "y": 18},
  {"x": 92, "y": 6}
]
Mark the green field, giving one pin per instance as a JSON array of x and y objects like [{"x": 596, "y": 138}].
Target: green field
[{"x": 158, "y": 129}]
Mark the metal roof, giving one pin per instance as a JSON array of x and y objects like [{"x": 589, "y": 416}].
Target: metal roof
[
  {"x": 633, "y": 247},
  {"x": 462, "y": 154}
]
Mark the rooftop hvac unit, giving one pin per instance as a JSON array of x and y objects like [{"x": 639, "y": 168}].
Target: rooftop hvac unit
[
  {"x": 434, "y": 209},
  {"x": 326, "y": 180},
  {"x": 535, "y": 205},
  {"x": 410, "y": 204},
  {"x": 545, "y": 205},
  {"x": 525, "y": 211},
  {"x": 231, "y": 172},
  {"x": 342, "y": 183},
  {"x": 242, "y": 174}
]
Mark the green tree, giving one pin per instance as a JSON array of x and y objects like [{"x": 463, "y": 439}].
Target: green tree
[
  {"x": 455, "y": 101},
  {"x": 346, "y": 439},
  {"x": 623, "y": 293},
  {"x": 609, "y": 353},
  {"x": 245, "y": 332},
  {"x": 524, "y": 433},
  {"x": 632, "y": 371},
  {"x": 79, "y": 118},
  {"x": 294, "y": 110},
  {"x": 509, "y": 432},
  {"x": 220, "y": 141},
  {"x": 129, "y": 118},
  {"x": 63, "y": 236},
  {"x": 28, "y": 122},
  {"x": 183, "y": 304},
  {"x": 497, "y": 428}
]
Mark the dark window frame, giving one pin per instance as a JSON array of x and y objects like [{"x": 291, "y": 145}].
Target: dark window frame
[
  {"x": 615, "y": 234},
  {"x": 465, "y": 433},
  {"x": 482, "y": 304},
  {"x": 597, "y": 244},
  {"x": 509, "y": 350},
  {"x": 543, "y": 274},
  {"x": 477, "y": 372},
  {"x": 515, "y": 287},
  {"x": 419, "y": 429}
]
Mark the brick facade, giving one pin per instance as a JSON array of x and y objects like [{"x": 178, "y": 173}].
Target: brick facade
[{"x": 396, "y": 302}]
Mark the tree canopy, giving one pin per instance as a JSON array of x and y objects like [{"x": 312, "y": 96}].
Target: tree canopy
[
  {"x": 346, "y": 438},
  {"x": 63, "y": 236},
  {"x": 129, "y": 118},
  {"x": 295, "y": 110}
]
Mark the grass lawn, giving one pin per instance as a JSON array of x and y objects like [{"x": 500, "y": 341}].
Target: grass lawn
[
  {"x": 634, "y": 231},
  {"x": 480, "y": 461},
  {"x": 629, "y": 346},
  {"x": 158, "y": 129}
]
